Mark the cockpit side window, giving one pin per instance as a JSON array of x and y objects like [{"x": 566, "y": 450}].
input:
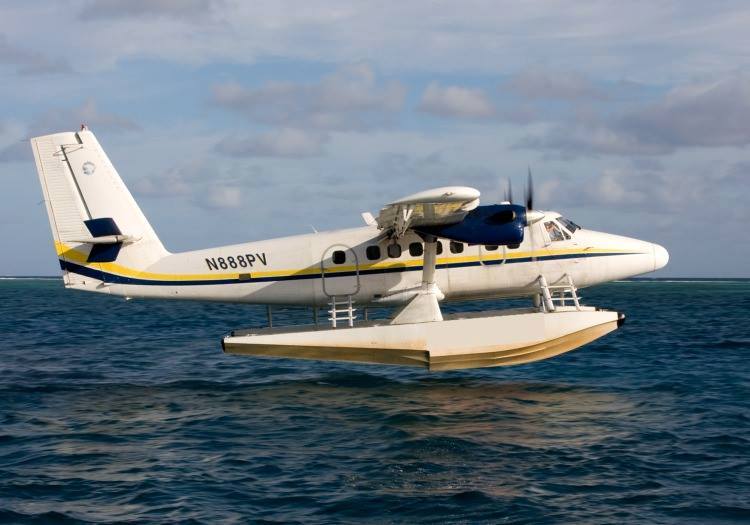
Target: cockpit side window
[
  {"x": 565, "y": 232},
  {"x": 570, "y": 225},
  {"x": 554, "y": 231}
]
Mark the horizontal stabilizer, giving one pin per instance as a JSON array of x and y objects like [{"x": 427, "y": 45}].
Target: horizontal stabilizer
[
  {"x": 109, "y": 239},
  {"x": 105, "y": 226}
]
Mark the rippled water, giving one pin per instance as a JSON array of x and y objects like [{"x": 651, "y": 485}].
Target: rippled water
[{"x": 128, "y": 411}]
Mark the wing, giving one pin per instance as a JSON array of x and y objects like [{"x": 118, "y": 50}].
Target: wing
[{"x": 439, "y": 206}]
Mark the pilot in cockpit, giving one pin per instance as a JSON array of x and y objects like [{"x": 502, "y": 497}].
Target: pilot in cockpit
[{"x": 553, "y": 231}]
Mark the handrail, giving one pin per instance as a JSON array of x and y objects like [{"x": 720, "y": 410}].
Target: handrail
[
  {"x": 557, "y": 293},
  {"x": 349, "y": 312}
]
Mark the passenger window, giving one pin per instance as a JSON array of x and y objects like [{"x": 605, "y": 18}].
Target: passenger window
[
  {"x": 490, "y": 247},
  {"x": 373, "y": 252},
  {"x": 415, "y": 249},
  {"x": 439, "y": 247},
  {"x": 338, "y": 257},
  {"x": 457, "y": 247},
  {"x": 554, "y": 231},
  {"x": 394, "y": 251}
]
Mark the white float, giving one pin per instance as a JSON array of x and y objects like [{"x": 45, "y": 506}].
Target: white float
[{"x": 470, "y": 340}]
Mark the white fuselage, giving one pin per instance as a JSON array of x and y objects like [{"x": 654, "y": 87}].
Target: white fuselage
[{"x": 304, "y": 270}]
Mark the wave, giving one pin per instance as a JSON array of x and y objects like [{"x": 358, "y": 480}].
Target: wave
[{"x": 113, "y": 411}]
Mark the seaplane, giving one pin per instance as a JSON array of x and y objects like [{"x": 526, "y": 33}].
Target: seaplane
[{"x": 419, "y": 252}]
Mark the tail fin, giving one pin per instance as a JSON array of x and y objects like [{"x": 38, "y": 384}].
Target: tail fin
[{"x": 93, "y": 216}]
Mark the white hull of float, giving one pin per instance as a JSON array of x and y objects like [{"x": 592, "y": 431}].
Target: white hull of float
[{"x": 468, "y": 340}]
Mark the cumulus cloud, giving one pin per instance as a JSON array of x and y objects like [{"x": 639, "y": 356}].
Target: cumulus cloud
[
  {"x": 180, "y": 9},
  {"x": 456, "y": 101},
  {"x": 590, "y": 138},
  {"x": 171, "y": 183},
  {"x": 179, "y": 179},
  {"x": 616, "y": 186},
  {"x": 205, "y": 182},
  {"x": 87, "y": 113},
  {"x": 350, "y": 98},
  {"x": 222, "y": 197},
  {"x": 674, "y": 192},
  {"x": 647, "y": 164},
  {"x": 18, "y": 151},
  {"x": 695, "y": 115},
  {"x": 30, "y": 62},
  {"x": 480, "y": 35},
  {"x": 537, "y": 83},
  {"x": 285, "y": 142},
  {"x": 740, "y": 172},
  {"x": 65, "y": 119},
  {"x": 408, "y": 172}
]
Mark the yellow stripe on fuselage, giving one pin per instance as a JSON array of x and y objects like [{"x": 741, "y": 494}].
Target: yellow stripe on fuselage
[{"x": 80, "y": 258}]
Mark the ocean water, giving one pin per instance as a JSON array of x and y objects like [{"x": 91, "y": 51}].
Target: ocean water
[{"x": 114, "y": 411}]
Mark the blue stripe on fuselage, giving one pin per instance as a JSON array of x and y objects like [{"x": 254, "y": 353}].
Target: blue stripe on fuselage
[{"x": 107, "y": 277}]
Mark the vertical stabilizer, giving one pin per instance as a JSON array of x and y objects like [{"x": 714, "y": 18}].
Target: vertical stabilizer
[{"x": 93, "y": 217}]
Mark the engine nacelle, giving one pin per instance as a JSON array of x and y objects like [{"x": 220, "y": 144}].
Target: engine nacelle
[{"x": 495, "y": 224}]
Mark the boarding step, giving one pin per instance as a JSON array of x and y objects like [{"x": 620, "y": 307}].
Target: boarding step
[
  {"x": 558, "y": 294},
  {"x": 341, "y": 310}
]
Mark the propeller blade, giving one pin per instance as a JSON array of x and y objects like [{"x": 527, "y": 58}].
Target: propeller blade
[
  {"x": 529, "y": 191},
  {"x": 509, "y": 192},
  {"x": 531, "y": 214}
]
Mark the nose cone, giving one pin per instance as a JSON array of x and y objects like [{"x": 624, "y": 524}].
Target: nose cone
[{"x": 661, "y": 257}]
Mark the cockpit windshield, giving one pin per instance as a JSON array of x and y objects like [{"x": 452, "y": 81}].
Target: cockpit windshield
[
  {"x": 554, "y": 231},
  {"x": 570, "y": 225}
]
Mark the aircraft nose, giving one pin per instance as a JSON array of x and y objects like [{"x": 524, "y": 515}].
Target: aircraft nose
[{"x": 661, "y": 256}]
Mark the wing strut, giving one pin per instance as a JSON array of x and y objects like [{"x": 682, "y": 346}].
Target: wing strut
[{"x": 424, "y": 307}]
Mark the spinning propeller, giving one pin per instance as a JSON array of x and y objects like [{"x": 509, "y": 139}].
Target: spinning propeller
[
  {"x": 529, "y": 192},
  {"x": 532, "y": 215},
  {"x": 509, "y": 193}
]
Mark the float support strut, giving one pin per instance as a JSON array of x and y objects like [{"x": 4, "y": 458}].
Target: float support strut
[
  {"x": 549, "y": 306},
  {"x": 424, "y": 307}
]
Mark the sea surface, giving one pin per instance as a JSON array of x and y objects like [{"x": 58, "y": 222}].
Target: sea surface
[{"x": 115, "y": 411}]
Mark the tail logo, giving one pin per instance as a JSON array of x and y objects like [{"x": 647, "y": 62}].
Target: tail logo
[{"x": 88, "y": 168}]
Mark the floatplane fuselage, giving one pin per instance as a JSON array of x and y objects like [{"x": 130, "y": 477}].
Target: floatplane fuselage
[
  {"x": 421, "y": 250},
  {"x": 299, "y": 270}
]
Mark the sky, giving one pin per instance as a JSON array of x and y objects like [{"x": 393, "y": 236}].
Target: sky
[{"x": 235, "y": 121}]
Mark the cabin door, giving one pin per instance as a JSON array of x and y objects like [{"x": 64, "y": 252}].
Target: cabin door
[{"x": 339, "y": 271}]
